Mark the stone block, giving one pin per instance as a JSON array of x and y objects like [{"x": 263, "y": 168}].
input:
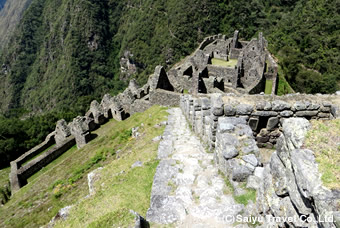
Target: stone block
[
  {"x": 206, "y": 104},
  {"x": 323, "y": 115},
  {"x": 244, "y": 109},
  {"x": 279, "y": 105},
  {"x": 260, "y": 139},
  {"x": 312, "y": 106},
  {"x": 206, "y": 113},
  {"x": 240, "y": 173},
  {"x": 229, "y": 151},
  {"x": 265, "y": 113},
  {"x": 299, "y": 105},
  {"x": 197, "y": 104},
  {"x": 326, "y": 104},
  {"x": 325, "y": 109},
  {"x": 224, "y": 127},
  {"x": 253, "y": 123},
  {"x": 251, "y": 159},
  {"x": 335, "y": 110},
  {"x": 279, "y": 177},
  {"x": 253, "y": 182},
  {"x": 272, "y": 123},
  {"x": 229, "y": 110},
  {"x": 286, "y": 113},
  {"x": 263, "y": 105},
  {"x": 306, "y": 113},
  {"x": 217, "y": 104}
]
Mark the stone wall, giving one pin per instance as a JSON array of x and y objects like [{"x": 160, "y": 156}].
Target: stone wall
[
  {"x": 264, "y": 114},
  {"x": 20, "y": 172},
  {"x": 133, "y": 99},
  {"x": 291, "y": 186},
  {"x": 165, "y": 98},
  {"x": 288, "y": 185},
  {"x": 229, "y": 75},
  {"x": 49, "y": 141}
]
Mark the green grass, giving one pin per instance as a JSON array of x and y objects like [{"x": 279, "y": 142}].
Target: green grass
[
  {"x": 323, "y": 139},
  {"x": 269, "y": 86},
  {"x": 244, "y": 199},
  {"x": 4, "y": 185},
  {"x": 223, "y": 63},
  {"x": 283, "y": 86},
  {"x": 64, "y": 181}
]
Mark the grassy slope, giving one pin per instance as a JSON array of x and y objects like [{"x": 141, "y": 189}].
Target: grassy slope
[
  {"x": 64, "y": 182},
  {"x": 323, "y": 139}
]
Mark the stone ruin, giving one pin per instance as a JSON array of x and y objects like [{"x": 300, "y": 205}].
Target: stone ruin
[
  {"x": 254, "y": 65},
  {"x": 198, "y": 76}
]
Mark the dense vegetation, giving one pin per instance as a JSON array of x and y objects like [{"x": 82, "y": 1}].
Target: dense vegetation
[
  {"x": 65, "y": 53},
  {"x": 17, "y": 136}
]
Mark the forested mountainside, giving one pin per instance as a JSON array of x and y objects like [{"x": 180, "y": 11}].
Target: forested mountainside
[
  {"x": 65, "y": 50},
  {"x": 64, "y": 53},
  {"x": 10, "y": 14}
]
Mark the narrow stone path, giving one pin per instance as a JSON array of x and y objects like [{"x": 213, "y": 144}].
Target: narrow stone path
[{"x": 187, "y": 189}]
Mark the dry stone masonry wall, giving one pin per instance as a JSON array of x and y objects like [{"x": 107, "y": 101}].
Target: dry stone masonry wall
[
  {"x": 264, "y": 114},
  {"x": 289, "y": 185}
]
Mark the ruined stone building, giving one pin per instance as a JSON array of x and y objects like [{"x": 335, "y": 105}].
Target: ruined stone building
[
  {"x": 220, "y": 65},
  {"x": 223, "y": 64}
]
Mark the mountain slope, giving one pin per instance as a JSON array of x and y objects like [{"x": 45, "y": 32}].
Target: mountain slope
[
  {"x": 10, "y": 14},
  {"x": 64, "y": 51},
  {"x": 64, "y": 181}
]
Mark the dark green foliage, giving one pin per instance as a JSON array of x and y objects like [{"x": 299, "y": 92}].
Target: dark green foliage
[
  {"x": 18, "y": 136},
  {"x": 303, "y": 35}
]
